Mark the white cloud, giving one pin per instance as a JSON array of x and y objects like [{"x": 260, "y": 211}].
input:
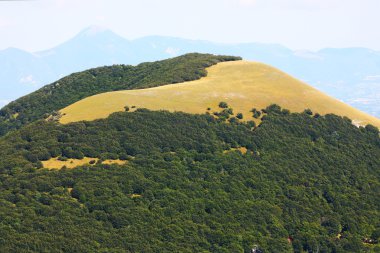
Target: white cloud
[
  {"x": 28, "y": 80},
  {"x": 372, "y": 78}
]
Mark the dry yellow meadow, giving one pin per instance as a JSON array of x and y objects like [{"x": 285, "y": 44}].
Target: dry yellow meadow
[
  {"x": 54, "y": 163},
  {"x": 117, "y": 161},
  {"x": 243, "y": 85}
]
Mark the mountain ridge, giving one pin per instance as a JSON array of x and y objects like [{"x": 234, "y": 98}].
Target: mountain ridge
[
  {"x": 241, "y": 84},
  {"x": 343, "y": 76},
  {"x": 160, "y": 181},
  {"x": 63, "y": 92}
]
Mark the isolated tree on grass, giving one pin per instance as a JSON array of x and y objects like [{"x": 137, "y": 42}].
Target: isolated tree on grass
[
  {"x": 256, "y": 113},
  {"x": 223, "y": 105}
]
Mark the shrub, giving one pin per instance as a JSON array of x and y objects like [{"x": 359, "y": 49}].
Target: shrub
[
  {"x": 273, "y": 109},
  {"x": 230, "y": 111},
  {"x": 308, "y": 112},
  {"x": 233, "y": 120},
  {"x": 372, "y": 129},
  {"x": 256, "y": 114},
  {"x": 223, "y": 105},
  {"x": 225, "y": 114},
  {"x": 251, "y": 124}
]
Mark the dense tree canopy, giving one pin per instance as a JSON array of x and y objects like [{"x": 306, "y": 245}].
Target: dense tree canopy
[{"x": 305, "y": 184}]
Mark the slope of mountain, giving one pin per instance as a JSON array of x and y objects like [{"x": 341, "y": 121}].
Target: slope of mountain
[
  {"x": 304, "y": 184},
  {"x": 159, "y": 181},
  {"x": 94, "y": 81},
  {"x": 243, "y": 85},
  {"x": 351, "y": 74}
]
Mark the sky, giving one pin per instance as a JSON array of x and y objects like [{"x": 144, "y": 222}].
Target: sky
[{"x": 298, "y": 24}]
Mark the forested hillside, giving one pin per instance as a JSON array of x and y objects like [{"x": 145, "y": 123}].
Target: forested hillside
[
  {"x": 307, "y": 183},
  {"x": 118, "y": 77}
]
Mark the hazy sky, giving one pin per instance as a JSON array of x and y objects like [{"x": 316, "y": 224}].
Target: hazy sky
[{"x": 298, "y": 24}]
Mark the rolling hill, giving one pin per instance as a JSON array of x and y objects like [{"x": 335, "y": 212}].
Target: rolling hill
[
  {"x": 72, "y": 88},
  {"x": 349, "y": 74},
  {"x": 177, "y": 177},
  {"x": 243, "y": 85}
]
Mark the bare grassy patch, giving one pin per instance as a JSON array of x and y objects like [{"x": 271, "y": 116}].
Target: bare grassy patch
[
  {"x": 55, "y": 163},
  {"x": 242, "y": 150},
  {"x": 117, "y": 161}
]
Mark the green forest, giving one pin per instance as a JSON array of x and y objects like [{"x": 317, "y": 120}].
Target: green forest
[
  {"x": 77, "y": 86},
  {"x": 307, "y": 183}
]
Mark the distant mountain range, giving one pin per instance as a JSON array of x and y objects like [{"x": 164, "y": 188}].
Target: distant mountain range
[{"x": 350, "y": 74}]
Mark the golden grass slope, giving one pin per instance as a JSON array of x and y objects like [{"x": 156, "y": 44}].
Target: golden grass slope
[
  {"x": 55, "y": 163},
  {"x": 243, "y": 85}
]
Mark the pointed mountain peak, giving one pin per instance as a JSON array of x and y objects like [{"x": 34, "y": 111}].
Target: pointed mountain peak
[
  {"x": 94, "y": 30},
  {"x": 98, "y": 33}
]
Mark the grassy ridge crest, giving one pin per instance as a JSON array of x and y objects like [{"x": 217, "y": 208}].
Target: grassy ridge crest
[
  {"x": 80, "y": 85},
  {"x": 242, "y": 84}
]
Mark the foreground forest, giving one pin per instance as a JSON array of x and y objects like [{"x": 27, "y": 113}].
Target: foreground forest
[{"x": 307, "y": 183}]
